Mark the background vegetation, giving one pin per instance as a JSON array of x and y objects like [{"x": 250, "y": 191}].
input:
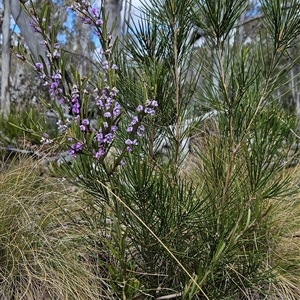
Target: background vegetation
[{"x": 170, "y": 172}]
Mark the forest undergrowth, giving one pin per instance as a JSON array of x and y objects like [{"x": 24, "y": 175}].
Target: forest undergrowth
[{"x": 54, "y": 247}]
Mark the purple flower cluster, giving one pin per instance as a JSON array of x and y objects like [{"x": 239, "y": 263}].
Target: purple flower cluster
[
  {"x": 75, "y": 100},
  {"x": 53, "y": 82},
  {"x": 61, "y": 126},
  {"x": 106, "y": 102},
  {"x": 84, "y": 124},
  {"x": 104, "y": 138},
  {"x": 88, "y": 14},
  {"x": 106, "y": 66},
  {"x": 34, "y": 24},
  {"x": 56, "y": 53},
  {"x": 129, "y": 143},
  {"x": 135, "y": 127},
  {"x": 107, "y": 106},
  {"x": 110, "y": 109},
  {"x": 45, "y": 139},
  {"x": 55, "y": 89},
  {"x": 75, "y": 149}
]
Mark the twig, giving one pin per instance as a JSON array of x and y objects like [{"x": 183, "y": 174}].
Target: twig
[
  {"x": 171, "y": 296},
  {"x": 39, "y": 155}
]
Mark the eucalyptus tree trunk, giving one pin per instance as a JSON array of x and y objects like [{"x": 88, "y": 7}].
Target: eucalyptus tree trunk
[
  {"x": 126, "y": 15},
  {"x": 113, "y": 9},
  {"x": 83, "y": 48},
  {"x": 32, "y": 39},
  {"x": 240, "y": 31},
  {"x": 5, "y": 85}
]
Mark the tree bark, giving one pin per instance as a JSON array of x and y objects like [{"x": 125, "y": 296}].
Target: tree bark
[
  {"x": 5, "y": 84},
  {"x": 113, "y": 9},
  {"x": 32, "y": 39},
  {"x": 126, "y": 15}
]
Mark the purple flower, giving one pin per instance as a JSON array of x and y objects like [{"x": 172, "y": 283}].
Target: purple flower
[
  {"x": 99, "y": 22},
  {"x": 61, "y": 126},
  {"x": 56, "y": 46},
  {"x": 105, "y": 65},
  {"x": 45, "y": 139},
  {"x": 134, "y": 120},
  {"x": 104, "y": 91},
  {"x": 72, "y": 152},
  {"x": 129, "y": 142},
  {"x": 114, "y": 92},
  {"x": 95, "y": 12},
  {"x": 82, "y": 127},
  {"x": 128, "y": 149},
  {"x": 99, "y": 153},
  {"x": 108, "y": 138},
  {"x": 107, "y": 114},
  {"x": 85, "y": 122},
  {"x": 75, "y": 108},
  {"x": 154, "y": 103},
  {"x": 114, "y": 67},
  {"x": 86, "y": 20},
  {"x": 75, "y": 148},
  {"x": 75, "y": 100},
  {"x": 56, "y": 54},
  {"x": 54, "y": 89},
  {"x": 108, "y": 103},
  {"x": 99, "y": 136},
  {"x": 117, "y": 109},
  {"x": 140, "y": 108},
  {"x": 99, "y": 103},
  {"x": 140, "y": 130},
  {"x": 22, "y": 57},
  {"x": 129, "y": 129},
  {"x": 149, "y": 111},
  {"x": 57, "y": 76},
  {"x": 54, "y": 85},
  {"x": 35, "y": 27},
  {"x": 39, "y": 66}
]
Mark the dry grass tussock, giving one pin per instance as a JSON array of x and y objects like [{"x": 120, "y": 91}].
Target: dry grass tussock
[
  {"x": 286, "y": 255},
  {"x": 39, "y": 245}
]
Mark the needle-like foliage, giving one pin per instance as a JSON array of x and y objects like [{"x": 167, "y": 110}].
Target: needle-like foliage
[{"x": 167, "y": 218}]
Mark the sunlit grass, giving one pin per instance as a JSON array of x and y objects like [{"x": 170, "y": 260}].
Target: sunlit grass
[
  {"x": 39, "y": 243},
  {"x": 285, "y": 256}
]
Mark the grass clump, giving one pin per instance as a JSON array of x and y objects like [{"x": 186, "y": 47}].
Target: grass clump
[{"x": 39, "y": 245}]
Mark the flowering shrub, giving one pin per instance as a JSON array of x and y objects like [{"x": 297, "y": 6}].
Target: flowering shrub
[
  {"x": 89, "y": 131},
  {"x": 204, "y": 233}
]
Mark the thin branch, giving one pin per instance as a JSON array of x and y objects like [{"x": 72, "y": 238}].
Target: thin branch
[
  {"x": 79, "y": 55},
  {"x": 45, "y": 157},
  {"x": 171, "y": 296}
]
